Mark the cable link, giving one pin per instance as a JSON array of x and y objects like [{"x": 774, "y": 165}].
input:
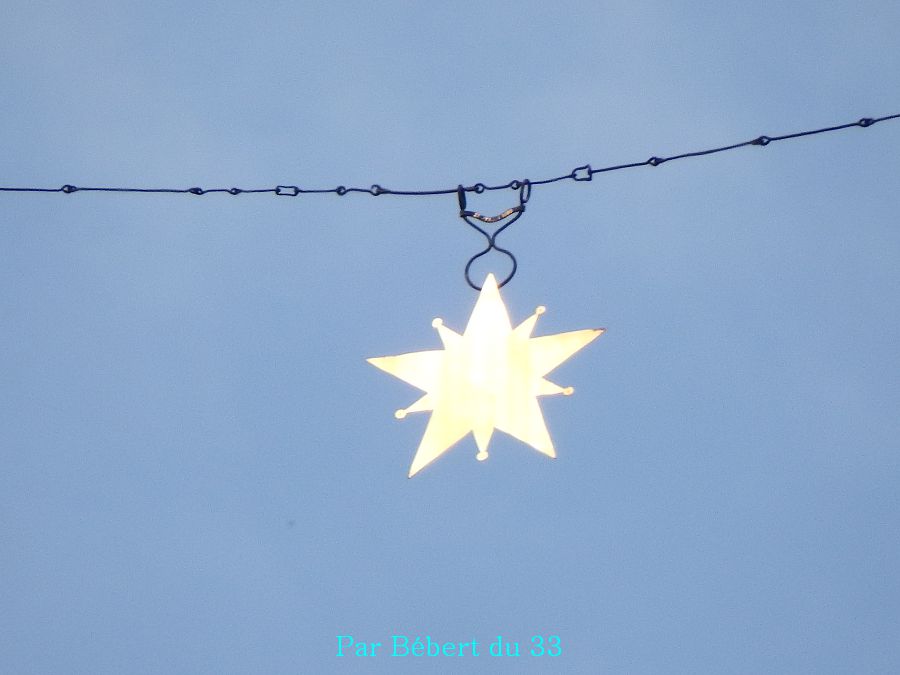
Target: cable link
[
  {"x": 68, "y": 189},
  {"x": 582, "y": 173},
  {"x": 287, "y": 190}
]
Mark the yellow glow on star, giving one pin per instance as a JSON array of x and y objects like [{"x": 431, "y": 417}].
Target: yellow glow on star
[{"x": 487, "y": 378}]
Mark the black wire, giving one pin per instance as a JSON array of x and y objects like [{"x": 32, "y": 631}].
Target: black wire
[{"x": 581, "y": 173}]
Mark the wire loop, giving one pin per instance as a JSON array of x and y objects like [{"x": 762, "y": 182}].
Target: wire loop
[{"x": 512, "y": 214}]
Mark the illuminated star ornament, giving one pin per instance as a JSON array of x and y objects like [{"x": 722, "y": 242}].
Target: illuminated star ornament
[{"x": 488, "y": 378}]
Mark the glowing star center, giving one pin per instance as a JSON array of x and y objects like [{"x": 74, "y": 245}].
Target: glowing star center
[{"x": 487, "y": 378}]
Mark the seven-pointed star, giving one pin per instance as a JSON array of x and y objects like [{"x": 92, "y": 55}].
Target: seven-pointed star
[{"x": 487, "y": 378}]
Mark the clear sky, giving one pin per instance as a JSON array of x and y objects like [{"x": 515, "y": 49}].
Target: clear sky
[{"x": 199, "y": 472}]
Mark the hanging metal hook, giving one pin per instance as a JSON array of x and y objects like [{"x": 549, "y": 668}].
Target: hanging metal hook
[{"x": 524, "y": 188}]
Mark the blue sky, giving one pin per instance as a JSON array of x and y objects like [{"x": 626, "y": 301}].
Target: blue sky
[{"x": 200, "y": 473}]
